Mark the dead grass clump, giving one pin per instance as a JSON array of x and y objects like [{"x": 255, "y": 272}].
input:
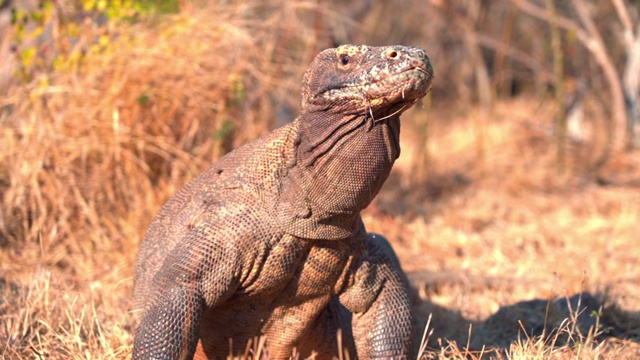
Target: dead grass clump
[
  {"x": 567, "y": 328},
  {"x": 48, "y": 318}
]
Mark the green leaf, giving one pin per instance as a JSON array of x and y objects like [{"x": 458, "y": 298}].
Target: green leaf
[{"x": 143, "y": 99}]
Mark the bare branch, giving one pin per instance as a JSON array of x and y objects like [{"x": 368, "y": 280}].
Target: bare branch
[
  {"x": 623, "y": 14},
  {"x": 517, "y": 55},
  {"x": 585, "y": 19},
  {"x": 587, "y": 33},
  {"x": 631, "y": 83},
  {"x": 558, "y": 71},
  {"x": 596, "y": 46},
  {"x": 543, "y": 14}
]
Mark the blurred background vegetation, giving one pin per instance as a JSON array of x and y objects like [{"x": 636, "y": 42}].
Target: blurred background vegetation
[{"x": 108, "y": 107}]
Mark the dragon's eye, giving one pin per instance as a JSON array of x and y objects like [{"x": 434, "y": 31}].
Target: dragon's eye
[{"x": 344, "y": 59}]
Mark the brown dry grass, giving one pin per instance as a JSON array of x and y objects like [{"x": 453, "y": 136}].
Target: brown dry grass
[{"x": 483, "y": 224}]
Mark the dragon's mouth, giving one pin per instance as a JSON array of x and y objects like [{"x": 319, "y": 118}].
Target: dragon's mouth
[
  {"x": 418, "y": 74},
  {"x": 412, "y": 85},
  {"x": 393, "y": 109},
  {"x": 423, "y": 69}
]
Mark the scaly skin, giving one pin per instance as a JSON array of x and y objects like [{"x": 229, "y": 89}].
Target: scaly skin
[{"x": 269, "y": 241}]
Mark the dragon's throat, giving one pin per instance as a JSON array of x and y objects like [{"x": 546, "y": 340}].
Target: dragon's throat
[{"x": 351, "y": 173}]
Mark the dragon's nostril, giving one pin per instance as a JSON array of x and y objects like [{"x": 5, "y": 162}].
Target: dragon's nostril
[{"x": 392, "y": 54}]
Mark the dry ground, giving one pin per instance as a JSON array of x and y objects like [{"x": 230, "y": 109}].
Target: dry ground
[{"x": 511, "y": 259}]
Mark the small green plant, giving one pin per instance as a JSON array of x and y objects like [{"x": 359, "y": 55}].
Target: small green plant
[{"x": 225, "y": 130}]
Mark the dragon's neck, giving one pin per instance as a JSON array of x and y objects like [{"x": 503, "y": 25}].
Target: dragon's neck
[
  {"x": 334, "y": 167},
  {"x": 345, "y": 161}
]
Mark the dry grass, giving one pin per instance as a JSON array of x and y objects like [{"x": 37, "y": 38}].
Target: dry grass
[{"x": 489, "y": 233}]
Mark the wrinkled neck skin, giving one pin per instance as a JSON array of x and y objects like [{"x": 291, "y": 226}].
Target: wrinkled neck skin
[
  {"x": 344, "y": 160},
  {"x": 335, "y": 167}
]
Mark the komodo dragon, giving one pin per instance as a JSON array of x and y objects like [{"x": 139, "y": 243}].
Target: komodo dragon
[{"x": 269, "y": 240}]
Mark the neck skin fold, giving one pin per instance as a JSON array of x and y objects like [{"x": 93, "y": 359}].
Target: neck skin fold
[{"x": 344, "y": 161}]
